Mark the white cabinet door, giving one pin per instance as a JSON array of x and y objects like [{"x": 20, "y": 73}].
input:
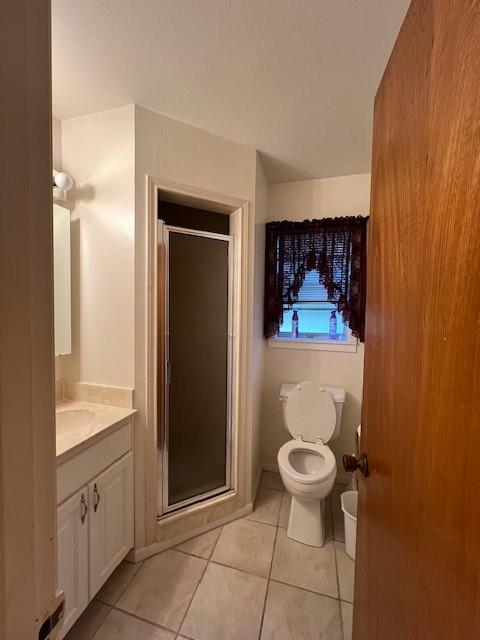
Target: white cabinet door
[
  {"x": 111, "y": 520},
  {"x": 72, "y": 555}
]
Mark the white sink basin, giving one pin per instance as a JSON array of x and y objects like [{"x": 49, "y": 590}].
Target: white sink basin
[{"x": 73, "y": 422}]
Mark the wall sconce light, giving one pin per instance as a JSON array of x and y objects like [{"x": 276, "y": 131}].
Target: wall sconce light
[{"x": 62, "y": 183}]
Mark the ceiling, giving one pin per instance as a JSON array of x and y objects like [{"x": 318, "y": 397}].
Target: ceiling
[{"x": 294, "y": 78}]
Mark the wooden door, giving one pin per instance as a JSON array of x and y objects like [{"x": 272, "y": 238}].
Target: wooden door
[
  {"x": 27, "y": 405},
  {"x": 72, "y": 556},
  {"x": 111, "y": 520},
  {"x": 418, "y": 548}
]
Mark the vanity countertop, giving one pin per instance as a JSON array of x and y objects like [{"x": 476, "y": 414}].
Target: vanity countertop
[{"x": 80, "y": 424}]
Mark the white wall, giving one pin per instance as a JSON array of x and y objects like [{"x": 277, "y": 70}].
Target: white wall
[
  {"x": 170, "y": 150},
  {"x": 329, "y": 197},
  {"x": 322, "y": 198},
  {"x": 98, "y": 151},
  {"x": 56, "y": 143},
  {"x": 109, "y": 155}
]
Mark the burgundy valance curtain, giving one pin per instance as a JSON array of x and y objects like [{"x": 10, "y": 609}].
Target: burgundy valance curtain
[{"x": 336, "y": 248}]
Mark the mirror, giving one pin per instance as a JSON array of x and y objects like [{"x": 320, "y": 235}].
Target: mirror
[{"x": 62, "y": 280}]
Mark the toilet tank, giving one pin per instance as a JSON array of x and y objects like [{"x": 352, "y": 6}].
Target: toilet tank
[{"x": 338, "y": 396}]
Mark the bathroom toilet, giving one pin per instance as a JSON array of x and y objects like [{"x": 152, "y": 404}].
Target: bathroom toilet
[{"x": 312, "y": 414}]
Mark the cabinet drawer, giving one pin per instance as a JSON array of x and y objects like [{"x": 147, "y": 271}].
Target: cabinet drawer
[{"x": 79, "y": 470}]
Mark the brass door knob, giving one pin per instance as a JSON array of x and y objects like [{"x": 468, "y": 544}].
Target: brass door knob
[{"x": 352, "y": 463}]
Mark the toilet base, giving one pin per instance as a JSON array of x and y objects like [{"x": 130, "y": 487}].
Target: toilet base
[{"x": 306, "y": 522}]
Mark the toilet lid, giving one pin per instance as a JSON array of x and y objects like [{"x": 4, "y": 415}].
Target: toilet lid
[{"x": 310, "y": 412}]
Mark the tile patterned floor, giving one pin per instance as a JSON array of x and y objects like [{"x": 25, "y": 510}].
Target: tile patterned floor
[{"x": 244, "y": 581}]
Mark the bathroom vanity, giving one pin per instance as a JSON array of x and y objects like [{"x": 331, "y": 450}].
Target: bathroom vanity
[
  {"x": 94, "y": 454},
  {"x": 94, "y": 498}
]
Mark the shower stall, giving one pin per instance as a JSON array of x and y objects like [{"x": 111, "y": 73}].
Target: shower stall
[{"x": 195, "y": 364}]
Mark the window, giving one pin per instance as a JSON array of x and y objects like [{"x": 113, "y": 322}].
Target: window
[
  {"x": 313, "y": 317},
  {"x": 315, "y": 283}
]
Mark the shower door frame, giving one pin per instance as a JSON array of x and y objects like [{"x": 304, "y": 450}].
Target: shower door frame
[{"x": 164, "y": 232}]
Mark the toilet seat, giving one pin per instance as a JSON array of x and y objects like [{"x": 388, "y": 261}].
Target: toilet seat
[
  {"x": 326, "y": 463},
  {"x": 309, "y": 412}
]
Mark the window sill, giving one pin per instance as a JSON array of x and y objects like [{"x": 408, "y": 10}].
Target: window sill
[{"x": 313, "y": 345}]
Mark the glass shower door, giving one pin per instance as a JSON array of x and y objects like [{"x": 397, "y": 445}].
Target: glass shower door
[{"x": 196, "y": 458}]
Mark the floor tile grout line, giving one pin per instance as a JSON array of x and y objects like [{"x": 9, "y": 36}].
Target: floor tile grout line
[
  {"x": 208, "y": 561},
  {"x": 175, "y": 546},
  {"x": 338, "y": 581},
  {"x": 196, "y": 555},
  {"x": 94, "y": 632},
  {"x": 229, "y": 566},
  {"x": 338, "y": 544},
  {"x": 287, "y": 584},
  {"x": 279, "y": 512},
  {"x": 333, "y": 524},
  {"x": 188, "y": 553},
  {"x": 122, "y": 591},
  {"x": 182, "y": 635},
  {"x": 215, "y": 545},
  {"x": 194, "y": 593},
  {"x": 258, "y": 575},
  {"x": 269, "y": 524},
  {"x": 268, "y": 584},
  {"x": 137, "y": 617},
  {"x": 315, "y": 593}
]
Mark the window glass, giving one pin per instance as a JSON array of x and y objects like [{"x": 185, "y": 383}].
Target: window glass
[{"x": 313, "y": 317}]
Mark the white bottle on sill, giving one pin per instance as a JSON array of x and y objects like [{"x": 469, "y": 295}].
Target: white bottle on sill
[{"x": 295, "y": 324}]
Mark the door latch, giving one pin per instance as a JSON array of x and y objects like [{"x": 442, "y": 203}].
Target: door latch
[{"x": 352, "y": 463}]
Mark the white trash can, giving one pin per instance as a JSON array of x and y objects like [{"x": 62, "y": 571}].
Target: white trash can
[{"x": 349, "y": 507}]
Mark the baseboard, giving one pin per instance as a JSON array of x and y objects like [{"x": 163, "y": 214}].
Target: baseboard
[
  {"x": 343, "y": 478},
  {"x": 270, "y": 466},
  {"x": 142, "y": 553},
  {"x": 257, "y": 485}
]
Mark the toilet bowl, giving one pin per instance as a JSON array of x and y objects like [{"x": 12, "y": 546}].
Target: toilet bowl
[{"x": 312, "y": 414}]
